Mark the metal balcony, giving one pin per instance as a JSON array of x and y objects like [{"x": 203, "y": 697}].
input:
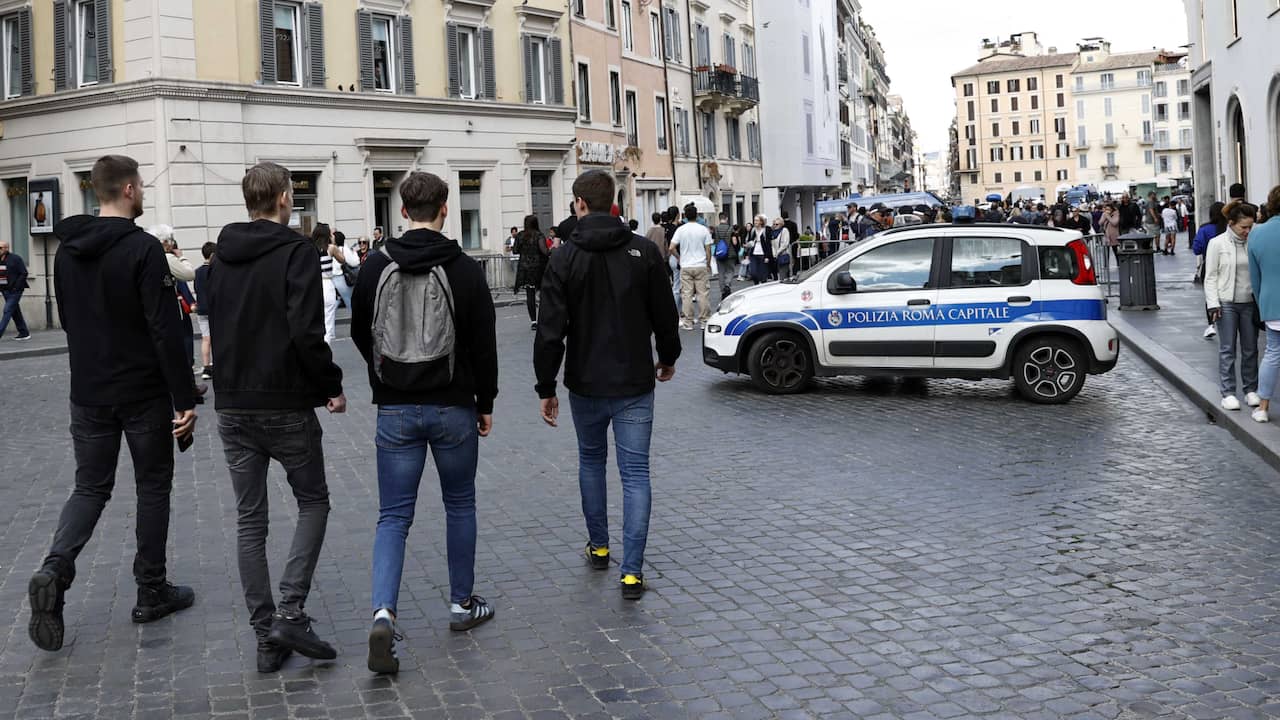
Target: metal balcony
[
  {"x": 725, "y": 89},
  {"x": 1111, "y": 170},
  {"x": 1081, "y": 144},
  {"x": 1147, "y": 140},
  {"x": 1110, "y": 143}
]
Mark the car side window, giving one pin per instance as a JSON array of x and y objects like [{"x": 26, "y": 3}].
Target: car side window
[
  {"x": 987, "y": 262},
  {"x": 903, "y": 265}
]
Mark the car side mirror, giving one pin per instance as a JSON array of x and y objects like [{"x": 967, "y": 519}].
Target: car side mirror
[{"x": 842, "y": 283}]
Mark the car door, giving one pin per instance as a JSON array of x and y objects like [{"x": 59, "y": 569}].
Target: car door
[
  {"x": 885, "y": 320},
  {"x": 987, "y": 285}
]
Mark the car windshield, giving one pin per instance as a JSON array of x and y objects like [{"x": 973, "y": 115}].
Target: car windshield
[{"x": 831, "y": 259}]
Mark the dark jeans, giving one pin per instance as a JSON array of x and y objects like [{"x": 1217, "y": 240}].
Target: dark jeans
[
  {"x": 1238, "y": 330},
  {"x": 292, "y": 438},
  {"x": 405, "y": 432},
  {"x": 13, "y": 309},
  {"x": 531, "y": 302},
  {"x": 95, "y": 435}
]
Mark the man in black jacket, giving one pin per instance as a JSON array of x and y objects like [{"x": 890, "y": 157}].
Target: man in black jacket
[
  {"x": 13, "y": 281},
  {"x": 446, "y": 415},
  {"x": 129, "y": 375},
  {"x": 272, "y": 368},
  {"x": 605, "y": 293}
]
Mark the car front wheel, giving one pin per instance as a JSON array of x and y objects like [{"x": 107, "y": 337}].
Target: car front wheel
[
  {"x": 780, "y": 363},
  {"x": 1049, "y": 370}
]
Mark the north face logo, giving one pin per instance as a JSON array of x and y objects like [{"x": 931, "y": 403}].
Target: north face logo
[{"x": 634, "y": 252}]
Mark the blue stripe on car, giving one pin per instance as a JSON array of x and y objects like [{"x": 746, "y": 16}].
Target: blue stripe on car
[{"x": 902, "y": 316}]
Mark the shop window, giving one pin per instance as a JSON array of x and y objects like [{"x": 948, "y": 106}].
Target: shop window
[{"x": 469, "y": 184}]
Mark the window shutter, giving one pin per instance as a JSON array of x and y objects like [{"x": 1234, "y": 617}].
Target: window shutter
[
  {"x": 364, "y": 48},
  {"x": 408, "y": 74},
  {"x": 267, "y": 39},
  {"x": 557, "y": 71},
  {"x": 526, "y": 48},
  {"x": 490, "y": 72},
  {"x": 451, "y": 53},
  {"x": 102, "y": 38},
  {"x": 24, "y": 37},
  {"x": 315, "y": 45},
  {"x": 60, "y": 54}
]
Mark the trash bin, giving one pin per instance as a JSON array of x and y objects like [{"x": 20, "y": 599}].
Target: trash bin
[{"x": 1137, "y": 271}]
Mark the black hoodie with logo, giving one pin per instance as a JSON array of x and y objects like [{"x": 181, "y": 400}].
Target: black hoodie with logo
[
  {"x": 475, "y": 370},
  {"x": 118, "y": 307},
  {"x": 266, "y": 319},
  {"x": 604, "y": 294}
]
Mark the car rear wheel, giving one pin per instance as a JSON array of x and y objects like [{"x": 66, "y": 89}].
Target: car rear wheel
[
  {"x": 1049, "y": 370},
  {"x": 780, "y": 363}
]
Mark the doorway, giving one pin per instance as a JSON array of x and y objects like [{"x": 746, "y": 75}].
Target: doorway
[
  {"x": 540, "y": 201},
  {"x": 383, "y": 185}
]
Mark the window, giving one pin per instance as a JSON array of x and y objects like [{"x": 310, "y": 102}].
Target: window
[
  {"x": 1186, "y": 163},
  {"x": 14, "y": 53},
  {"x": 734, "y": 133},
  {"x": 1037, "y": 152},
  {"x": 1013, "y": 127},
  {"x": 1060, "y": 127},
  {"x": 468, "y": 56},
  {"x": 1184, "y": 111},
  {"x": 671, "y": 36},
  {"x": 655, "y": 34},
  {"x": 1184, "y": 138},
  {"x": 1062, "y": 100},
  {"x": 708, "y": 133},
  {"x": 808, "y": 131},
  {"x": 615, "y": 97},
  {"x": 753, "y": 140},
  {"x": 1079, "y": 109},
  {"x": 903, "y": 265},
  {"x": 580, "y": 8},
  {"x": 993, "y": 87},
  {"x": 1144, "y": 78},
  {"x": 633, "y": 119},
  {"x": 541, "y": 81},
  {"x": 383, "y": 54},
  {"x": 1035, "y": 102},
  {"x": 1032, "y": 84},
  {"x": 1146, "y": 104},
  {"x": 1013, "y": 104},
  {"x": 1062, "y": 150},
  {"x": 730, "y": 50},
  {"x": 997, "y": 154},
  {"x": 1163, "y": 164},
  {"x": 1015, "y": 152},
  {"x": 1034, "y": 124},
  {"x": 1082, "y": 138},
  {"x": 628, "y": 32},
  {"x": 86, "y": 45},
  {"x": 1079, "y": 83},
  {"x": 1012, "y": 85},
  {"x": 1039, "y": 176},
  {"x": 1017, "y": 177},
  {"x": 971, "y": 111},
  {"x": 986, "y": 262},
  {"x": 1146, "y": 131},
  {"x": 971, "y": 158},
  {"x": 1108, "y": 81},
  {"x": 748, "y": 60},
  {"x": 1111, "y": 159},
  {"x": 1059, "y": 81},
  {"x": 995, "y": 105},
  {"x": 1162, "y": 112},
  {"x": 1184, "y": 88},
  {"x": 1106, "y": 107},
  {"x": 1084, "y": 160},
  {"x": 999, "y": 177},
  {"x": 680, "y": 125},
  {"x": 660, "y": 121},
  {"x": 968, "y": 89},
  {"x": 584, "y": 92},
  {"x": 1162, "y": 89},
  {"x": 469, "y": 200},
  {"x": 1062, "y": 175},
  {"x": 1148, "y": 157},
  {"x": 995, "y": 129},
  {"x": 610, "y": 15},
  {"x": 804, "y": 50}
]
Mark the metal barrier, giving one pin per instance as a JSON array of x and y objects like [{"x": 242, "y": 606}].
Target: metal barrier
[
  {"x": 807, "y": 253},
  {"x": 499, "y": 270},
  {"x": 1104, "y": 260}
]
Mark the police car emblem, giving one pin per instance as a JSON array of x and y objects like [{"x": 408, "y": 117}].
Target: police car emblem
[
  {"x": 835, "y": 318},
  {"x": 806, "y": 296}
]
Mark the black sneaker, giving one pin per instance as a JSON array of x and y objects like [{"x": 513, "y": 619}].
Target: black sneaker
[
  {"x": 598, "y": 556},
  {"x": 271, "y": 656},
  {"x": 293, "y": 631},
  {"x": 382, "y": 647},
  {"x": 632, "y": 587},
  {"x": 207, "y": 373},
  {"x": 475, "y": 612},
  {"x": 157, "y": 601},
  {"x": 20, "y": 338},
  {"x": 46, "y": 591}
]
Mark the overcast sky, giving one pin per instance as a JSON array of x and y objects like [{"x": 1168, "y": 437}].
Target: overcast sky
[{"x": 925, "y": 41}]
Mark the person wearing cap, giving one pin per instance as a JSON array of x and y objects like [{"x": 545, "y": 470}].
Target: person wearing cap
[{"x": 873, "y": 222}]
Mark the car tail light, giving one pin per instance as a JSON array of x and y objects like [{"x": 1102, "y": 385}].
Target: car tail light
[{"x": 1085, "y": 274}]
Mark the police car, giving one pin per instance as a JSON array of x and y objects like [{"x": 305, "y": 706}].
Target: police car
[{"x": 955, "y": 301}]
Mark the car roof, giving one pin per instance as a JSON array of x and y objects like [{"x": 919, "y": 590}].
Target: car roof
[{"x": 1042, "y": 234}]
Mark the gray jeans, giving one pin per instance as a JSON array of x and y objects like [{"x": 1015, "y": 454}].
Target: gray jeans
[
  {"x": 1238, "y": 328},
  {"x": 725, "y": 270},
  {"x": 251, "y": 441}
]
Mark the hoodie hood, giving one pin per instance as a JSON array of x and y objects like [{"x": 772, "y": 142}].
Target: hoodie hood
[
  {"x": 86, "y": 236},
  {"x": 420, "y": 250},
  {"x": 245, "y": 242},
  {"x": 598, "y": 232}
]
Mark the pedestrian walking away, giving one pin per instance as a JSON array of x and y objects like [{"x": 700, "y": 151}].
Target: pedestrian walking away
[
  {"x": 184, "y": 301},
  {"x": 692, "y": 243},
  {"x": 1264, "y": 276},
  {"x": 725, "y": 251},
  {"x": 424, "y": 321},
  {"x": 533, "y": 251},
  {"x": 322, "y": 239},
  {"x": 202, "y": 312},
  {"x": 130, "y": 377},
  {"x": 1229, "y": 295},
  {"x": 605, "y": 306},
  {"x": 267, "y": 316},
  {"x": 1216, "y": 226},
  {"x": 13, "y": 282},
  {"x": 346, "y": 265}
]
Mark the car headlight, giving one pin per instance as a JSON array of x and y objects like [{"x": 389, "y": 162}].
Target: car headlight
[{"x": 729, "y": 304}]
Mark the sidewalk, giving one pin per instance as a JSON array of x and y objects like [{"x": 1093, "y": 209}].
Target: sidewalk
[{"x": 1172, "y": 341}]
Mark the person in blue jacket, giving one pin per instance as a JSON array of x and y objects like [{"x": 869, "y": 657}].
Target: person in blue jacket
[
  {"x": 1264, "y": 276},
  {"x": 1200, "y": 245}
]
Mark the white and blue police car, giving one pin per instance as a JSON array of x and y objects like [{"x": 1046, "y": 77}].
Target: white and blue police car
[{"x": 950, "y": 301}]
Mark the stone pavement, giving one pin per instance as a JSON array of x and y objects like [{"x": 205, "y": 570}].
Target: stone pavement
[{"x": 869, "y": 549}]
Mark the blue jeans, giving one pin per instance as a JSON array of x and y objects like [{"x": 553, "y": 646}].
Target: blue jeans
[
  {"x": 13, "y": 310},
  {"x": 1270, "y": 369},
  {"x": 632, "y": 420},
  {"x": 405, "y": 432},
  {"x": 1238, "y": 328}
]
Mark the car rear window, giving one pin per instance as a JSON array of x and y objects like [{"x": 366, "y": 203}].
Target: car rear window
[{"x": 1057, "y": 263}]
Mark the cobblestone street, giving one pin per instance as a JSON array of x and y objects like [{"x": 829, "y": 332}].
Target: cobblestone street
[{"x": 870, "y": 549}]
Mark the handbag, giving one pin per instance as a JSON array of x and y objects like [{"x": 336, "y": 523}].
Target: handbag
[
  {"x": 784, "y": 259},
  {"x": 350, "y": 274}
]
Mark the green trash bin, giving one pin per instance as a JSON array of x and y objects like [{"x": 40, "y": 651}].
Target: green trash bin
[{"x": 1136, "y": 253}]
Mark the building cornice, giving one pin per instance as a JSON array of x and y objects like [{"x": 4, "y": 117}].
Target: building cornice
[{"x": 163, "y": 88}]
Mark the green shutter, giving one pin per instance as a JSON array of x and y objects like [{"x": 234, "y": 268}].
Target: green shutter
[
  {"x": 315, "y": 45},
  {"x": 408, "y": 73},
  {"x": 364, "y": 49},
  {"x": 267, "y": 40},
  {"x": 60, "y": 52}
]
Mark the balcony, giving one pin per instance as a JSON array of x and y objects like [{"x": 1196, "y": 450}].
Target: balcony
[
  {"x": 1081, "y": 144},
  {"x": 1170, "y": 69},
  {"x": 723, "y": 88},
  {"x": 1173, "y": 145},
  {"x": 1110, "y": 143},
  {"x": 1147, "y": 140},
  {"x": 1111, "y": 170}
]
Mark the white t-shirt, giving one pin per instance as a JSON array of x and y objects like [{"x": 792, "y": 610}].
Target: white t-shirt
[
  {"x": 1170, "y": 217},
  {"x": 692, "y": 239}
]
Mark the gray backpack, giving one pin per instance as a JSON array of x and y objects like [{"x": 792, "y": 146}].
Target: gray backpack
[{"x": 414, "y": 335}]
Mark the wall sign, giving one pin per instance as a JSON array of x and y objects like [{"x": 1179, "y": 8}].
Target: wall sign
[{"x": 44, "y": 206}]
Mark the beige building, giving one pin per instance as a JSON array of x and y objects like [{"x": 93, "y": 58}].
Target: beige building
[
  {"x": 1112, "y": 107},
  {"x": 1171, "y": 117},
  {"x": 349, "y": 94},
  {"x": 1014, "y": 122}
]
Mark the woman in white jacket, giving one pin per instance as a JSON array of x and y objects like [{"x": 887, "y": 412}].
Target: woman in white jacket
[{"x": 1228, "y": 292}]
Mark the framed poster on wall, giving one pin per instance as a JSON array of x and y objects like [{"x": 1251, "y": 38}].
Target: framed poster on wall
[{"x": 44, "y": 206}]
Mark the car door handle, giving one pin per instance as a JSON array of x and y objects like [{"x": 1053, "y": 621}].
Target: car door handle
[
  {"x": 920, "y": 301},
  {"x": 1020, "y": 299}
]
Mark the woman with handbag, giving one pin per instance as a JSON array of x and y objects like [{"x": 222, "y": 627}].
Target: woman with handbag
[
  {"x": 1229, "y": 293},
  {"x": 346, "y": 263},
  {"x": 781, "y": 249},
  {"x": 759, "y": 251},
  {"x": 534, "y": 251}
]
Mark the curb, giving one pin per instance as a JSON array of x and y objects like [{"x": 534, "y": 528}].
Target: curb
[{"x": 1202, "y": 392}]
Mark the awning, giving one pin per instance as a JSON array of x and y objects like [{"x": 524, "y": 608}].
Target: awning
[{"x": 1114, "y": 187}]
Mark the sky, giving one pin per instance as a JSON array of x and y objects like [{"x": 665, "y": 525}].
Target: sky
[{"x": 925, "y": 41}]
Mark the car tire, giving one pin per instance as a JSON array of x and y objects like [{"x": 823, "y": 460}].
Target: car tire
[
  {"x": 780, "y": 363},
  {"x": 1049, "y": 370}
]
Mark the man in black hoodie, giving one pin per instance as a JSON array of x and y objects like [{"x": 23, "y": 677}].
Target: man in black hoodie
[
  {"x": 129, "y": 375},
  {"x": 446, "y": 415},
  {"x": 605, "y": 293},
  {"x": 272, "y": 368}
]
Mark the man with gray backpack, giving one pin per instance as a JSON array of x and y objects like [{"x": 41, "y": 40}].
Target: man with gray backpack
[{"x": 423, "y": 319}]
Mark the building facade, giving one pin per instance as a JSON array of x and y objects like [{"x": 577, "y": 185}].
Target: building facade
[
  {"x": 351, "y": 95},
  {"x": 1113, "y": 112},
  {"x": 1171, "y": 118},
  {"x": 857, "y": 152},
  {"x": 1235, "y": 85}
]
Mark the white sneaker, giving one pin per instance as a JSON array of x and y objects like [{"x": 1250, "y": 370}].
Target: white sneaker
[
  {"x": 686, "y": 326},
  {"x": 1261, "y": 416},
  {"x": 1210, "y": 332},
  {"x": 1252, "y": 399},
  {"x": 1230, "y": 403}
]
